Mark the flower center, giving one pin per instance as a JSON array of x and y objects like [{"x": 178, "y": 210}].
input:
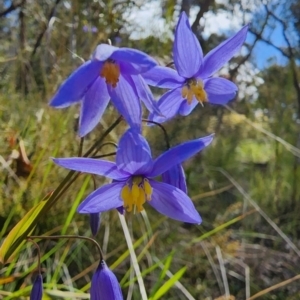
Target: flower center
[
  {"x": 136, "y": 193},
  {"x": 111, "y": 72},
  {"x": 193, "y": 88}
]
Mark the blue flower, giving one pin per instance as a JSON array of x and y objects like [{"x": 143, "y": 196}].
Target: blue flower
[
  {"x": 111, "y": 73},
  {"x": 37, "y": 288},
  {"x": 133, "y": 176},
  {"x": 105, "y": 285},
  {"x": 192, "y": 81}
]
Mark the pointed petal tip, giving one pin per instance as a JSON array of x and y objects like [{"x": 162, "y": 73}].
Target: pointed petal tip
[
  {"x": 220, "y": 55},
  {"x": 187, "y": 52},
  {"x": 183, "y": 16},
  {"x": 209, "y": 139},
  {"x": 195, "y": 219}
]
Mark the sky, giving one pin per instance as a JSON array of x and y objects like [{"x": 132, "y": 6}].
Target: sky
[{"x": 147, "y": 20}]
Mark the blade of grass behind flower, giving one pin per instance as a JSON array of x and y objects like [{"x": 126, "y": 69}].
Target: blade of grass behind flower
[
  {"x": 75, "y": 204},
  {"x": 178, "y": 284},
  {"x": 220, "y": 227},
  {"x": 168, "y": 284},
  {"x": 166, "y": 267}
]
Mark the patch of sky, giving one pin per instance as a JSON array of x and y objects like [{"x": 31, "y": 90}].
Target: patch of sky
[{"x": 146, "y": 20}]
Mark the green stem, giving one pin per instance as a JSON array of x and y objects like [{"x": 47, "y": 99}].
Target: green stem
[
  {"x": 39, "y": 253},
  {"x": 105, "y": 134},
  {"x": 80, "y": 146}
]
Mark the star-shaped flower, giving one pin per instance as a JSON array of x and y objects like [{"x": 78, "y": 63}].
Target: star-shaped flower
[
  {"x": 133, "y": 176},
  {"x": 192, "y": 81},
  {"x": 111, "y": 73}
]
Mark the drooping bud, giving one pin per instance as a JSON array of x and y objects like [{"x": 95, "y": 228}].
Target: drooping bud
[
  {"x": 37, "y": 288},
  {"x": 95, "y": 222},
  {"x": 105, "y": 285}
]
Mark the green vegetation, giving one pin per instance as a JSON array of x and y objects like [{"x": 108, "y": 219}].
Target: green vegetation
[{"x": 245, "y": 185}]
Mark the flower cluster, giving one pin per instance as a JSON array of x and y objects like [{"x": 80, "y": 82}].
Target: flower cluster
[{"x": 122, "y": 75}]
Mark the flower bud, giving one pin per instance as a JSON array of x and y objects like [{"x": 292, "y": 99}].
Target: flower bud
[
  {"x": 95, "y": 222},
  {"x": 105, "y": 285},
  {"x": 37, "y": 288}
]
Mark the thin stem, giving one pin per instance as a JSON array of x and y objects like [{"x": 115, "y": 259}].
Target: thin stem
[
  {"x": 57, "y": 237},
  {"x": 104, "y": 155},
  {"x": 105, "y": 134},
  {"x": 65, "y": 188},
  {"x": 170, "y": 64},
  {"x": 163, "y": 129},
  {"x": 94, "y": 182},
  {"x": 80, "y": 146},
  {"x": 105, "y": 144},
  {"x": 39, "y": 253}
]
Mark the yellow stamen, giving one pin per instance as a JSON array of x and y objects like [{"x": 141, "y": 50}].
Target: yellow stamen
[
  {"x": 194, "y": 88},
  {"x": 111, "y": 72},
  {"x": 147, "y": 189},
  {"x": 135, "y": 191},
  {"x": 126, "y": 196},
  {"x": 141, "y": 200},
  {"x": 137, "y": 195}
]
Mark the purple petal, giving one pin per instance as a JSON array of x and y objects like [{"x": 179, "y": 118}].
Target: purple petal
[
  {"x": 176, "y": 177},
  {"x": 173, "y": 202},
  {"x": 95, "y": 223},
  {"x": 93, "y": 106},
  {"x": 105, "y": 285},
  {"x": 178, "y": 154},
  {"x": 219, "y": 90},
  {"x": 186, "y": 50},
  {"x": 104, "y": 52},
  {"x": 220, "y": 55},
  {"x": 92, "y": 166},
  {"x": 74, "y": 88},
  {"x": 37, "y": 288},
  {"x": 133, "y": 154},
  {"x": 163, "y": 77},
  {"x": 145, "y": 94},
  {"x": 138, "y": 61},
  {"x": 186, "y": 108},
  {"x": 168, "y": 105},
  {"x": 125, "y": 99},
  {"x": 103, "y": 199}
]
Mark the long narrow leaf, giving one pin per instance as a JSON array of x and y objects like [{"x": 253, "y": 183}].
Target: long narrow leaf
[{"x": 168, "y": 284}]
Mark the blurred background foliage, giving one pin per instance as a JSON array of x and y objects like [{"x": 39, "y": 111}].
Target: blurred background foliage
[{"x": 251, "y": 170}]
